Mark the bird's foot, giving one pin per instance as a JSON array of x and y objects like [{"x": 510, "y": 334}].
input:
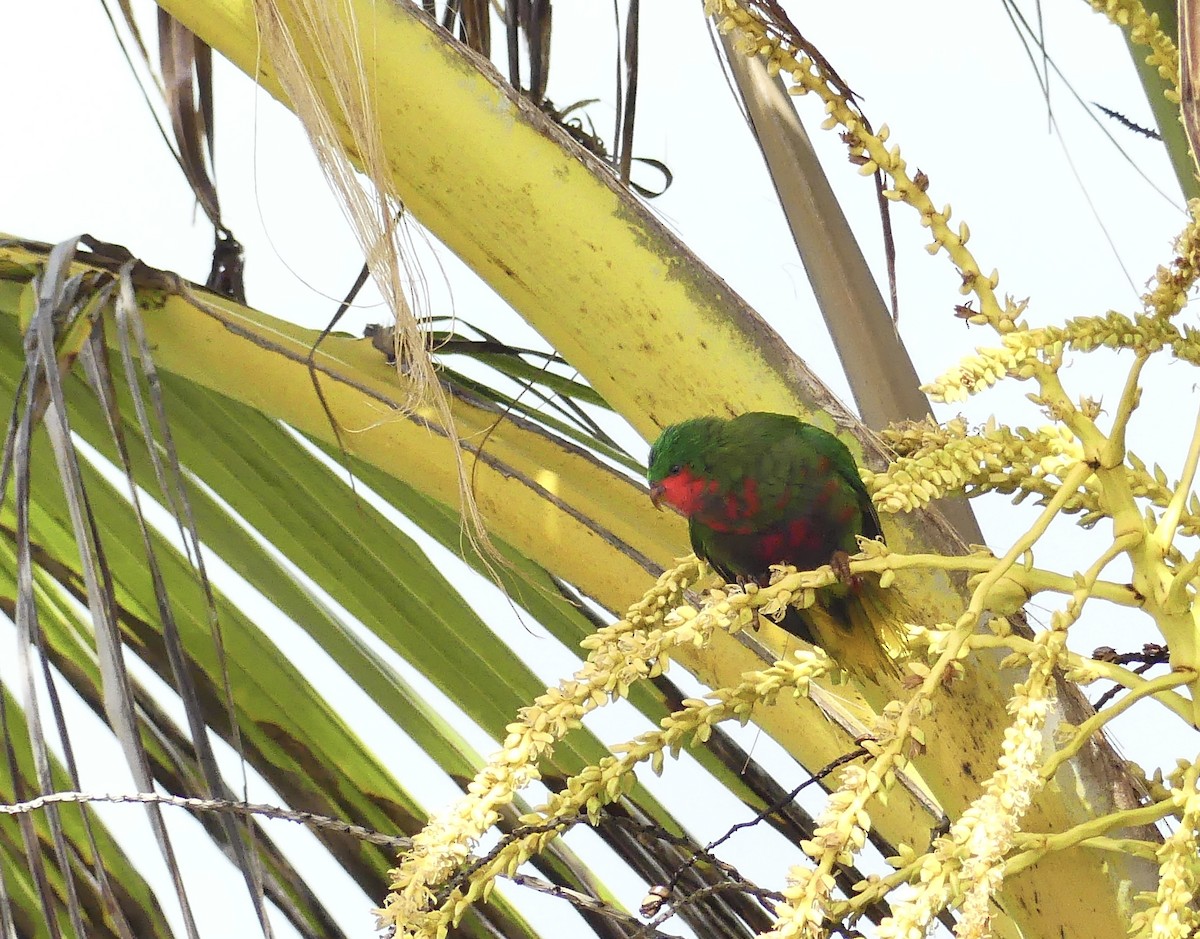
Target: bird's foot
[{"x": 840, "y": 562}]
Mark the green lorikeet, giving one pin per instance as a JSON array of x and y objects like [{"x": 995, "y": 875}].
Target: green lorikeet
[{"x": 763, "y": 489}]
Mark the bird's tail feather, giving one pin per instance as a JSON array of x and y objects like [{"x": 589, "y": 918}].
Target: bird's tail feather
[{"x": 864, "y": 625}]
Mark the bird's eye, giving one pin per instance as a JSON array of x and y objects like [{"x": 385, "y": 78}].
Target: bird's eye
[{"x": 676, "y": 469}]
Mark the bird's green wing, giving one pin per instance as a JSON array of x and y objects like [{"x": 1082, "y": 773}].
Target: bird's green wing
[
  {"x": 842, "y": 463},
  {"x": 790, "y": 453}
]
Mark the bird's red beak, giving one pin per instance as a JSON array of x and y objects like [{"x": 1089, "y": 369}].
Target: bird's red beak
[{"x": 657, "y": 492}]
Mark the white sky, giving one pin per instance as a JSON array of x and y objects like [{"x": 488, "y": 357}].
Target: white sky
[{"x": 949, "y": 78}]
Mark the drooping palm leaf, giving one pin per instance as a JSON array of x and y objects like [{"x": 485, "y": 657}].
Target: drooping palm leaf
[
  {"x": 283, "y": 725},
  {"x": 109, "y": 888}
]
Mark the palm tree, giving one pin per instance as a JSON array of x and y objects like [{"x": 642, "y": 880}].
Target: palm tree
[{"x": 184, "y": 427}]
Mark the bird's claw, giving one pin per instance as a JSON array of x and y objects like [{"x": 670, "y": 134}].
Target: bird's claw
[{"x": 840, "y": 562}]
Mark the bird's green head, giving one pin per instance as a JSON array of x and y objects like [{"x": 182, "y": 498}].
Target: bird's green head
[
  {"x": 682, "y": 446},
  {"x": 682, "y": 451}
]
